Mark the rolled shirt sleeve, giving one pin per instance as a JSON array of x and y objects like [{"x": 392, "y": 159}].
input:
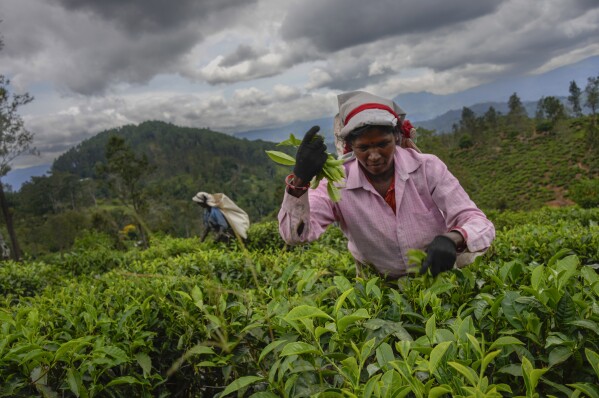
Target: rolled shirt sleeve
[{"x": 305, "y": 218}]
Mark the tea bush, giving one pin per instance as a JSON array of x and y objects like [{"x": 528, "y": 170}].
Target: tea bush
[{"x": 185, "y": 318}]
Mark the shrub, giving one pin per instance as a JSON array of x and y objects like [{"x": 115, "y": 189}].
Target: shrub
[
  {"x": 544, "y": 126},
  {"x": 263, "y": 236},
  {"x": 585, "y": 193},
  {"x": 465, "y": 141}
]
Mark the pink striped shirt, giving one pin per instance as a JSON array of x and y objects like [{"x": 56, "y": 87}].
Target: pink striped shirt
[{"x": 429, "y": 199}]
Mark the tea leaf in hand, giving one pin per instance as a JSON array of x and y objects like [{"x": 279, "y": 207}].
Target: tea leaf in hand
[{"x": 281, "y": 158}]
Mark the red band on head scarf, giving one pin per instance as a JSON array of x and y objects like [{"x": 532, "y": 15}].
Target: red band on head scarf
[
  {"x": 405, "y": 126},
  {"x": 371, "y": 105}
]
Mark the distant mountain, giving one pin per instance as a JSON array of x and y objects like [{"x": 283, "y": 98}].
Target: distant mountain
[
  {"x": 298, "y": 128},
  {"x": 425, "y": 106},
  {"x": 443, "y": 123},
  {"x": 16, "y": 178}
]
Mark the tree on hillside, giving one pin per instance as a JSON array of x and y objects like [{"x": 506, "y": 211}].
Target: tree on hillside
[
  {"x": 517, "y": 117},
  {"x": 592, "y": 92},
  {"x": 468, "y": 121},
  {"x": 491, "y": 119},
  {"x": 574, "y": 99},
  {"x": 15, "y": 140},
  {"x": 126, "y": 171},
  {"x": 550, "y": 108},
  {"x": 592, "y": 101},
  {"x": 516, "y": 109},
  {"x": 468, "y": 128}
]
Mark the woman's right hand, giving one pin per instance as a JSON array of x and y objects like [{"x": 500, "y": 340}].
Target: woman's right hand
[{"x": 311, "y": 156}]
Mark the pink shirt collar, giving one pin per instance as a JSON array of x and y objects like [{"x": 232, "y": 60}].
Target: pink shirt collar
[{"x": 405, "y": 163}]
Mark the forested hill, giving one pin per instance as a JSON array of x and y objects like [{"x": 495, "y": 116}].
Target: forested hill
[
  {"x": 185, "y": 161},
  {"x": 199, "y": 154},
  {"x": 182, "y": 161}
]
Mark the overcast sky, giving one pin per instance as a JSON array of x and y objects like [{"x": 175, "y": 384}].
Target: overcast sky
[{"x": 236, "y": 65}]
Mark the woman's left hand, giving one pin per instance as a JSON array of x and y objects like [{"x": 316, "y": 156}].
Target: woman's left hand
[{"x": 441, "y": 254}]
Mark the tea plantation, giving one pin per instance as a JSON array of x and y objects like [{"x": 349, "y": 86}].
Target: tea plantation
[{"x": 190, "y": 319}]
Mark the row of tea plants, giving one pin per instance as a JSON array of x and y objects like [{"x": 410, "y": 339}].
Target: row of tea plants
[{"x": 184, "y": 318}]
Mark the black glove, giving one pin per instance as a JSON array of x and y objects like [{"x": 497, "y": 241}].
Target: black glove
[
  {"x": 440, "y": 255},
  {"x": 311, "y": 155}
]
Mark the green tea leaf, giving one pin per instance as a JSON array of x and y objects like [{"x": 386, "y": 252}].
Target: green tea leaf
[
  {"x": 531, "y": 376},
  {"x": 466, "y": 327},
  {"x": 488, "y": 358},
  {"x": 512, "y": 369},
  {"x": 371, "y": 386},
  {"x": 71, "y": 347},
  {"x": 123, "y": 380},
  {"x": 566, "y": 268},
  {"x": 566, "y": 309},
  {"x": 587, "y": 324},
  {"x": 291, "y": 141},
  {"x": 512, "y": 309},
  {"x": 114, "y": 352},
  {"x": 366, "y": 349},
  {"x": 439, "y": 391},
  {"x": 281, "y": 158},
  {"x": 505, "y": 340},
  {"x": 467, "y": 372},
  {"x": 298, "y": 348},
  {"x": 75, "y": 384},
  {"x": 333, "y": 192},
  {"x": 536, "y": 277},
  {"x": 341, "y": 299},
  {"x": 145, "y": 362},
  {"x": 350, "y": 368},
  {"x": 264, "y": 394},
  {"x": 305, "y": 311},
  {"x": 436, "y": 356},
  {"x": 559, "y": 355},
  {"x": 588, "y": 389},
  {"x": 475, "y": 344},
  {"x": 199, "y": 350},
  {"x": 269, "y": 348},
  {"x": 593, "y": 358},
  {"x": 430, "y": 328},
  {"x": 348, "y": 320},
  {"x": 241, "y": 383},
  {"x": 197, "y": 295},
  {"x": 384, "y": 355}
]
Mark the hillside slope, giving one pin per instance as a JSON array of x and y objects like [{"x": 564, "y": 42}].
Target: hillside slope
[{"x": 526, "y": 170}]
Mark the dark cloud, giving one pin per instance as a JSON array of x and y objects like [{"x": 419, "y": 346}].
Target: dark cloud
[
  {"x": 243, "y": 53},
  {"x": 258, "y": 63},
  {"x": 94, "y": 45},
  {"x": 519, "y": 38},
  {"x": 337, "y": 24},
  {"x": 133, "y": 62},
  {"x": 146, "y": 16},
  {"x": 351, "y": 74}
]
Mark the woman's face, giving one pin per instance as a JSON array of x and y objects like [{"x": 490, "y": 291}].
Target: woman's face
[{"x": 375, "y": 149}]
